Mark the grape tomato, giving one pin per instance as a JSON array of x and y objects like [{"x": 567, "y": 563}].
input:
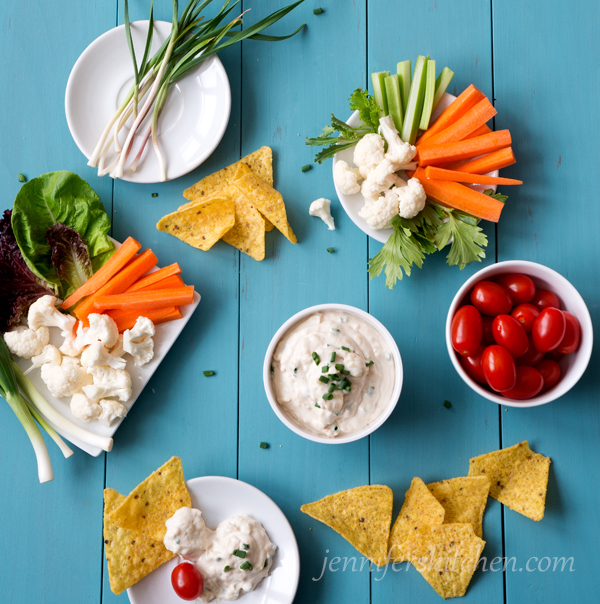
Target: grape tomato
[
  {"x": 519, "y": 287},
  {"x": 499, "y": 368},
  {"x": 525, "y": 314},
  {"x": 549, "y": 329},
  {"x": 491, "y": 299},
  {"x": 466, "y": 330},
  {"x": 509, "y": 333}
]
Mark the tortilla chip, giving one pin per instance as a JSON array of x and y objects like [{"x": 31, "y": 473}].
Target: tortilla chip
[
  {"x": 446, "y": 555},
  {"x": 147, "y": 508},
  {"x": 362, "y": 516},
  {"x": 463, "y": 499},
  {"x": 202, "y": 224},
  {"x": 129, "y": 555},
  {"x": 420, "y": 509},
  {"x": 267, "y": 200},
  {"x": 519, "y": 478},
  {"x": 260, "y": 162}
]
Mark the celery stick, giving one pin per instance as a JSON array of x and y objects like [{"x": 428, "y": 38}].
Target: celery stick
[
  {"x": 378, "y": 79},
  {"x": 394, "y": 100},
  {"x": 403, "y": 70},
  {"x": 414, "y": 105},
  {"x": 429, "y": 94},
  {"x": 441, "y": 84}
]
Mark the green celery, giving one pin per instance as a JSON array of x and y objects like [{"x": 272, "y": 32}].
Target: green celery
[
  {"x": 414, "y": 105},
  {"x": 429, "y": 94},
  {"x": 378, "y": 79},
  {"x": 441, "y": 84},
  {"x": 394, "y": 99},
  {"x": 403, "y": 70}
]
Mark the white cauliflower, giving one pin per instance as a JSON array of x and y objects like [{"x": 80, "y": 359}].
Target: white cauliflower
[
  {"x": 102, "y": 329},
  {"x": 27, "y": 343},
  {"x": 380, "y": 180},
  {"x": 85, "y": 409},
  {"x": 399, "y": 152},
  {"x": 138, "y": 342},
  {"x": 65, "y": 379},
  {"x": 110, "y": 411},
  {"x": 49, "y": 354},
  {"x": 97, "y": 354},
  {"x": 108, "y": 382},
  {"x": 117, "y": 350},
  {"x": 322, "y": 209},
  {"x": 379, "y": 212},
  {"x": 411, "y": 198},
  {"x": 346, "y": 178},
  {"x": 69, "y": 346},
  {"x": 43, "y": 312},
  {"x": 368, "y": 153}
]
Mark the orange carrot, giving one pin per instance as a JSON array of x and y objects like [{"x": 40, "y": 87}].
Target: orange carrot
[
  {"x": 112, "y": 266},
  {"x": 155, "y": 277},
  {"x": 455, "y": 195},
  {"x": 169, "y": 282},
  {"x": 177, "y": 296},
  {"x": 488, "y": 163},
  {"x": 478, "y": 179},
  {"x": 125, "y": 319},
  {"x": 473, "y": 119},
  {"x": 485, "y": 129},
  {"x": 119, "y": 283},
  {"x": 471, "y": 147},
  {"x": 469, "y": 98}
]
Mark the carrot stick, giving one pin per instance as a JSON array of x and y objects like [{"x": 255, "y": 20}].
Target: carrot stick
[
  {"x": 112, "y": 266},
  {"x": 469, "y": 98},
  {"x": 169, "y": 282},
  {"x": 473, "y": 119},
  {"x": 488, "y": 163},
  {"x": 447, "y": 152},
  {"x": 177, "y": 296},
  {"x": 455, "y": 195},
  {"x": 485, "y": 129},
  {"x": 125, "y": 319},
  {"x": 119, "y": 283},
  {"x": 155, "y": 277},
  {"x": 478, "y": 179}
]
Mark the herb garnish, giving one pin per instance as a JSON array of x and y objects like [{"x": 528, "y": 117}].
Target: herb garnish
[{"x": 239, "y": 553}]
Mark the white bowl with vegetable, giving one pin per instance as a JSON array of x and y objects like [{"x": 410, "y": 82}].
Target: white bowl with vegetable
[{"x": 333, "y": 373}]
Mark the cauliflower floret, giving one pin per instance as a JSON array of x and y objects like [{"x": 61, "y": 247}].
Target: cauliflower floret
[
  {"x": 380, "y": 180},
  {"x": 102, "y": 329},
  {"x": 69, "y": 346},
  {"x": 322, "y": 209},
  {"x": 346, "y": 178},
  {"x": 368, "y": 153},
  {"x": 411, "y": 199},
  {"x": 85, "y": 409},
  {"x": 27, "y": 343},
  {"x": 110, "y": 411},
  {"x": 138, "y": 342},
  {"x": 44, "y": 312},
  {"x": 65, "y": 379},
  {"x": 379, "y": 212},
  {"x": 97, "y": 354},
  {"x": 399, "y": 152},
  {"x": 49, "y": 354},
  {"x": 117, "y": 350},
  {"x": 108, "y": 382}
]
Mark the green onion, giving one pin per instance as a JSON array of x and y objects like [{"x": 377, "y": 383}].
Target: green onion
[
  {"x": 394, "y": 99},
  {"x": 246, "y": 566},
  {"x": 348, "y": 388},
  {"x": 403, "y": 70},
  {"x": 414, "y": 105},
  {"x": 368, "y": 364},
  {"x": 227, "y": 569},
  {"x": 22, "y": 178},
  {"x": 154, "y": 194},
  {"x": 316, "y": 11},
  {"x": 339, "y": 366},
  {"x": 441, "y": 84},
  {"x": 325, "y": 369},
  {"x": 332, "y": 387},
  {"x": 239, "y": 553},
  {"x": 266, "y": 563},
  {"x": 324, "y": 379},
  {"x": 330, "y": 250},
  {"x": 208, "y": 373},
  {"x": 316, "y": 358},
  {"x": 346, "y": 349},
  {"x": 317, "y": 405},
  {"x": 246, "y": 546},
  {"x": 429, "y": 94},
  {"x": 378, "y": 79},
  {"x": 327, "y": 397},
  {"x": 264, "y": 445},
  {"x": 334, "y": 376},
  {"x": 345, "y": 372},
  {"x": 272, "y": 368},
  {"x": 332, "y": 359},
  {"x": 447, "y": 404},
  {"x": 306, "y": 168}
]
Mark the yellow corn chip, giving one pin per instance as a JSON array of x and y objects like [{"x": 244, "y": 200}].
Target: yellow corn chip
[
  {"x": 519, "y": 478},
  {"x": 463, "y": 499},
  {"x": 260, "y": 162},
  {"x": 420, "y": 509},
  {"x": 267, "y": 200},
  {"x": 362, "y": 516},
  {"x": 129, "y": 556},
  {"x": 202, "y": 224},
  {"x": 147, "y": 508},
  {"x": 446, "y": 555}
]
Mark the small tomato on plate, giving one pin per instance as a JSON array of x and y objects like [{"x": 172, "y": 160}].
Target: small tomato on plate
[
  {"x": 519, "y": 287},
  {"x": 187, "y": 581}
]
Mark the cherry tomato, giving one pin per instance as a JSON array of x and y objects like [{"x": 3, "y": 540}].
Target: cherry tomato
[
  {"x": 550, "y": 371},
  {"x": 488, "y": 332},
  {"x": 525, "y": 314},
  {"x": 466, "y": 330},
  {"x": 570, "y": 342},
  {"x": 472, "y": 365},
  {"x": 187, "y": 581},
  {"x": 529, "y": 383},
  {"x": 532, "y": 357},
  {"x": 549, "y": 329},
  {"x": 509, "y": 333},
  {"x": 491, "y": 299},
  {"x": 554, "y": 355},
  {"x": 545, "y": 299},
  {"x": 499, "y": 368},
  {"x": 519, "y": 287}
]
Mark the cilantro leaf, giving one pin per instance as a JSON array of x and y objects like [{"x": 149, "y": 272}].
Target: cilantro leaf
[
  {"x": 367, "y": 107},
  {"x": 497, "y": 196},
  {"x": 468, "y": 239}
]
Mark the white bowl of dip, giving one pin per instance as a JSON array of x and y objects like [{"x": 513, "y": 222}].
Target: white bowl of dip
[{"x": 291, "y": 373}]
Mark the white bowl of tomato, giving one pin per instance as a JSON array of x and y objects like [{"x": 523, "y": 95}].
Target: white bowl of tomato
[{"x": 519, "y": 334}]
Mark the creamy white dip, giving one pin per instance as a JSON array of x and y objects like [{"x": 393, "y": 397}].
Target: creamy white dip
[
  {"x": 303, "y": 373},
  {"x": 227, "y": 575}
]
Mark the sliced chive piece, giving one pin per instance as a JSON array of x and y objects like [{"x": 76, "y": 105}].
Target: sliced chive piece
[
  {"x": 264, "y": 445},
  {"x": 330, "y": 250},
  {"x": 246, "y": 566},
  {"x": 22, "y": 178},
  {"x": 346, "y": 349},
  {"x": 332, "y": 387},
  {"x": 295, "y": 369},
  {"x": 317, "y": 405},
  {"x": 348, "y": 388},
  {"x": 334, "y": 376},
  {"x": 266, "y": 564},
  {"x": 447, "y": 404},
  {"x": 325, "y": 369},
  {"x": 332, "y": 357},
  {"x": 339, "y": 366},
  {"x": 327, "y": 397},
  {"x": 272, "y": 368},
  {"x": 318, "y": 11},
  {"x": 208, "y": 373},
  {"x": 154, "y": 194},
  {"x": 306, "y": 168},
  {"x": 227, "y": 569},
  {"x": 316, "y": 358},
  {"x": 324, "y": 379},
  {"x": 345, "y": 372},
  {"x": 369, "y": 363},
  {"x": 246, "y": 546},
  {"x": 240, "y": 553}
]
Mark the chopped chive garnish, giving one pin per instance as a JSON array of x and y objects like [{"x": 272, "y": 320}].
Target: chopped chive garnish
[
  {"x": 240, "y": 553},
  {"x": 317, "y": 405},
  {"x": 317, "y": 11},
  {"x": 332, "y": 387},
  {"x": 327, "y": 397},
  {"x": 272, "y": 368},
  {"x": 335, "y": 428},
  {"x": 339, "y": 366},
  {"x": 246, "y": 566},
  {"x": 245, "y": 546},
  {"x": 369, "y": 363},
  {"x": 22, "y": 178},
  {"x": 208, "y": 373},
  {"x": 334, "y": 376},
  {"x": 447, "y": 404},
  {"x": 332, "y": 357},
  {"x": 264, "y": 445},
  {"x": 316, "y": 358},
  {"x": 306, "y": 168},
  {"x": 346, "y": 349},
  {"x": 325, "y": 369},
  {"x": 154, "y": 194},
  {"x": 324, "y": 379},
  {"x": 266, "y": 563},
  {"x": 227, "y": 568},
  {"x": 330, "y": 250},
  {"x": 348, "y": 388},
  {"x": 345, "y": 372},
  {"x": 295, "y": 369}
]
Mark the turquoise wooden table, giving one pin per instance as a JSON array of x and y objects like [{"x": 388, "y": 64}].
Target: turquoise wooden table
[{"x": 538, "y": 60}]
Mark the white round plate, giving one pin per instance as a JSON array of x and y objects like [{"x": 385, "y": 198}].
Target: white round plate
[
  {"x": 220, "y": 498},
  {"x": 352, "y": 204},
  {"x": 190, "y": 126}
]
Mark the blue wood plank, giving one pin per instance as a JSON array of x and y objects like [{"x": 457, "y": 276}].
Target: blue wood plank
[{"x": 549, "y": 221}]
